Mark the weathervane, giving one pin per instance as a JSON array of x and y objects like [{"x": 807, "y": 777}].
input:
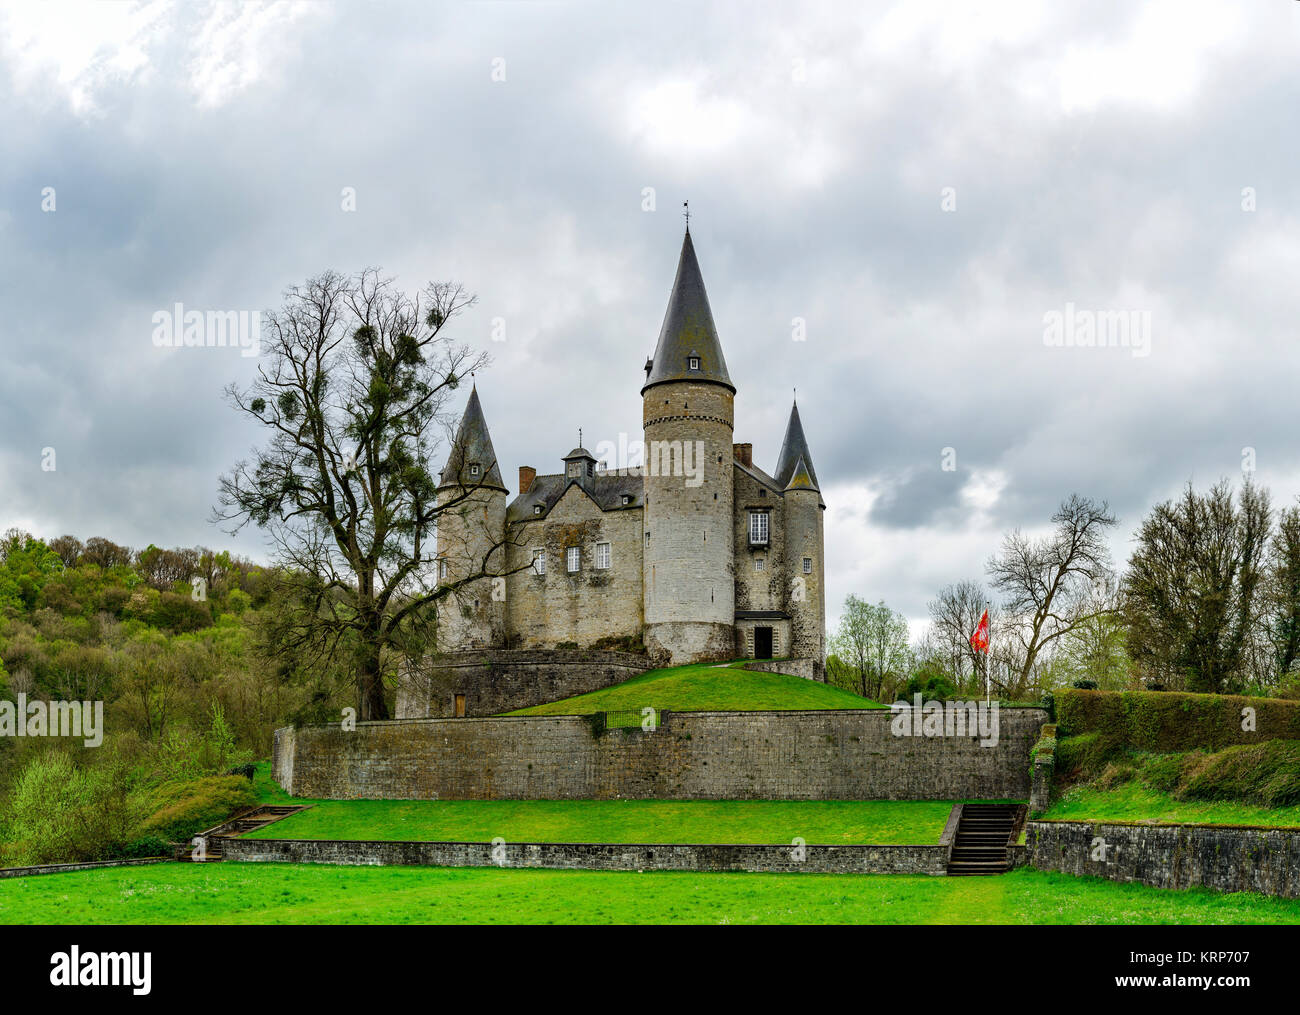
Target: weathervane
[
  {"x": 687, "y": 214},
  {"x": 579, "y": 436}
]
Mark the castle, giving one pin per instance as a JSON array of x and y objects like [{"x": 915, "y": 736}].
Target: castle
[{"x": 696, "y": 552}]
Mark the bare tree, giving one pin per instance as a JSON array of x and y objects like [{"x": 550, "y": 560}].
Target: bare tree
[
  {"x": 352, "y": 390},
  {"x": 955, "y": 613},
  {"x": 1047, "y": 583}
]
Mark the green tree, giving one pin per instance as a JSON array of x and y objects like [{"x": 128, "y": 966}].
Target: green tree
[
  {"x": 1191, "y": 594},
  {"x": 871, "y": 642}
]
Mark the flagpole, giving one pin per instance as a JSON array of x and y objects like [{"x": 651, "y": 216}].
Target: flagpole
[{"x": 988, "y": 655}]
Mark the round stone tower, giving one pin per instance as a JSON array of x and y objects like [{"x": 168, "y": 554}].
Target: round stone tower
[
  {"x": 688, "y": 413},
  {"x": 805, "y": 594},
  {"x": 471, "y": 531}
]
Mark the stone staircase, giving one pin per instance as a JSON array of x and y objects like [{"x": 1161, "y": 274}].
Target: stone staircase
[
  {"x": 984, "y": 839},
  {"x": 246, "y": 821}
]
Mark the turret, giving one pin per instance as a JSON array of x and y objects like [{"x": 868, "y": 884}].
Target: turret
[
  {"x": 804, "y": 544},
  {"x": 688, "y": 411},
  {"x": 471, "y": 533}
]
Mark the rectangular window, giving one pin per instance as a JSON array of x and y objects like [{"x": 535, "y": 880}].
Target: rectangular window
[
  {"x": 758, "y": 528},
  {"x": 647, "y": 539},
  {"x": 539, "y": 562},
  {"x": 442, "y": 570},
  {"x": 602, "y": 555},
  {"x": 758, "y": 563},
  {"x": 807, "y": 565},
  {"x": 573, "y": 558}
]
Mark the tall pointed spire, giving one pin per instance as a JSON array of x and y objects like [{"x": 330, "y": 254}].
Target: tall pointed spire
[
  {"x": 472, "y": 447},
  {"x": 795, "y": 456},
  {"x": 688, "y": 348}
]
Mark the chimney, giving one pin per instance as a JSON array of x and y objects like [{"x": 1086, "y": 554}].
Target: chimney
[
  {"x": 526, "y": 476},
  {"x": 744, "y": 454}
]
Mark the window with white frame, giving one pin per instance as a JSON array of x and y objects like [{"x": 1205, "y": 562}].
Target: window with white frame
[
  {"x": 602, "y": 556},
  {"x": 573, "y": 559},
  {"x": 758, "y": 563},
  {"x": 758, "y": 528},
  {"x": 539, "y": 562},
  {"x": 537, "y": 509},
  {"x": 807, "y": 565},
  {"x": 473, "y": 469},
  {"x": 442, "y": 570},
  {"x": 695, "y": 362}
]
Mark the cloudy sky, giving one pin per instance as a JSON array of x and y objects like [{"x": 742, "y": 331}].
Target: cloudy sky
[{"x": 923, "y": 185}]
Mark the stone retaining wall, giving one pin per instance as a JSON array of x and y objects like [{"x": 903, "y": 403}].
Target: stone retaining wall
[
  {"x": 808, "y": 755},
  {"x": 598, "y": 857},
  {"x": 493, "y": 681},
  {"x": 1222, "y": 857},
  {"x": 809, "y": 669}
]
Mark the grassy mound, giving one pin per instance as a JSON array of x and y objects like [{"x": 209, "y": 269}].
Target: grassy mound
[
  {"x": 1252, "y": 784},
  {"x": 772, "y": 822},
  {"x": 706, "y": 687}
]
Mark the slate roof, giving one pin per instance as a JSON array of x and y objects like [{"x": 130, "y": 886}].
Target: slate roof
[
  {"x": 801, "y": 479},
  {"x": 473, "y": 445},
  {"x": 794, "y": 448},
  {"x": 605, "y": 488},
  {"x": 688, "y": 330}
]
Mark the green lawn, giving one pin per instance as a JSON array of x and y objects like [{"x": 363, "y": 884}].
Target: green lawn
[
  {"x": 1131, "y": 801},
  {"x": 822, "y": 822},
  {"x": 291, "y": 893},
  {"x": 706, "y": 687}
]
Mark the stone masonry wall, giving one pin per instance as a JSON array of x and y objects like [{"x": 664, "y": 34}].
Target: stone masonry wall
[
  {"x": 496, "y": 681},
  {"x": 582, "y": 606},
  {"x": 822, "y": 755},
  {"x": 809, "y": 669},
  {"x": 1225, "y": 858},
  {"x": 588, "y": 856}
]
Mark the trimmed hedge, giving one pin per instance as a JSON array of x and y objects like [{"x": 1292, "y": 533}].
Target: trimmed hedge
[{"x": 1166, "y": 722}]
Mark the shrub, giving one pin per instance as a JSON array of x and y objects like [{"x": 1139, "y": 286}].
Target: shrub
[
  {"x": 1168, "y": 722},
  {"x": 60, "y": 812},
  {"x": 1085, "y": 685},
  {"x": 147, "y": 845}
]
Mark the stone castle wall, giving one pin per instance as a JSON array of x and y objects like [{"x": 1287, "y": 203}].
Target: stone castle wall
[
  {"x": 821, "y": 755},
  {"x": 583, "y": 606},
  {"x": 498, "y": 680}
]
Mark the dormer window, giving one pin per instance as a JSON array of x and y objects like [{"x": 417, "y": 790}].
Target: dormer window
[
  {"x": 474, "y": 469},
  {"x": 694, "y": 362},
  {"x": 627, "y": 499},
  {"x": 537, "y": 509}
]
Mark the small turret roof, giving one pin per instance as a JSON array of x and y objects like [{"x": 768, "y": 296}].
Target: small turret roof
[
  {"x": 472, "y": 446},
  {"x": 794, "y": 452},
  {"x": 802, "y": 478},
  {"x": 688, "y": 331}
]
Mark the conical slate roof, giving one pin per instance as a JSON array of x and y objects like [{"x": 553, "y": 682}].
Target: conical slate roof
[
  {"x": 688, "y": 331},
  {"x": 473, "y": 446},
  {"x": 795, "y": 454}
]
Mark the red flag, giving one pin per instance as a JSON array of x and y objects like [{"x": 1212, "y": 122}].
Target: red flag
[{"x": 980, "y": 639}]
